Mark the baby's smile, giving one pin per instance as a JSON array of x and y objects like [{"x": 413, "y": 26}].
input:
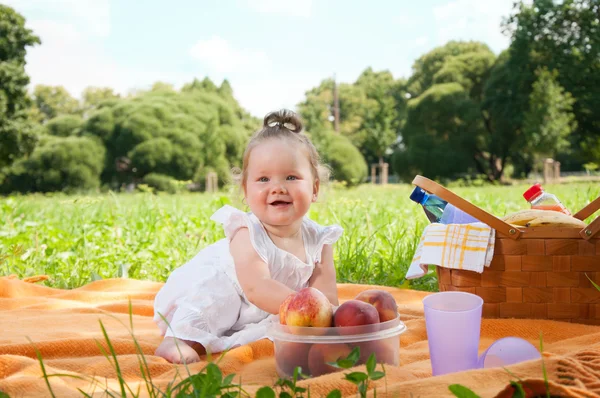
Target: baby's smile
[{"x": 280, "y": 203}]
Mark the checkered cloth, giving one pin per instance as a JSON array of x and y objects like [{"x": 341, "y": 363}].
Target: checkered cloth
[{"x": 458, "y": 246}]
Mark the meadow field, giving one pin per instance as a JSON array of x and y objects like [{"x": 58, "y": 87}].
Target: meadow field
[{"x": 76, "y": 239}]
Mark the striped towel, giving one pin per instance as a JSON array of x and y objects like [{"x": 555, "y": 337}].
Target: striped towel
[{"x": 458, "y": 246}]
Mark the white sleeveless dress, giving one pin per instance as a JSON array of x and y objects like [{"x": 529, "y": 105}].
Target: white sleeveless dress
[{"x": 203, "y": 301}]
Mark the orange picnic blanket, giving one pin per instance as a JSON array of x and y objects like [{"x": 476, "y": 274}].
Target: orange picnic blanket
[{"x": 64, "y": 326}]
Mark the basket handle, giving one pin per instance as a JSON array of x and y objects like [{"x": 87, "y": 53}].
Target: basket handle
[
  {"x": 480, "y": 214},
  {"x": 592, "y": 228}
]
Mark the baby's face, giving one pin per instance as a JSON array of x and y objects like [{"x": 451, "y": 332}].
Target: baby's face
[{"x": 280, "y": 186}]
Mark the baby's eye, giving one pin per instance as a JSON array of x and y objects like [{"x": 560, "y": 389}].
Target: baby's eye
[
  {"x": 263, "y": 179},
  {"x": 292, "y": 178}
]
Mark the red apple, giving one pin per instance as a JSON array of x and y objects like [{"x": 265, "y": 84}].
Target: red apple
[
  {"x": 289, "y": 355},
  {"x": 309, "y": 307},
  {"x": 355, "y": 313},
  {"x": 320, "y": 354},
  {"x": 284, "y": 307},
  {"x": 383, "y": 301}
]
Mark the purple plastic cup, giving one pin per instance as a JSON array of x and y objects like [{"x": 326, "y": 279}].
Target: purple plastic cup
[
  {"x": 453, "y": 323},
  {"x": 507, "y": 351}
]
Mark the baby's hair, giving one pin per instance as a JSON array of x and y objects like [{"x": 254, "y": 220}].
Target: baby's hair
[{"x": 285, "y": 124}]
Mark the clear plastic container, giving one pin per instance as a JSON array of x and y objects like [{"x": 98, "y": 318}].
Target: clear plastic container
[
  {"x": 542, "y": 200},
  {"x": 311, "y": 348}
]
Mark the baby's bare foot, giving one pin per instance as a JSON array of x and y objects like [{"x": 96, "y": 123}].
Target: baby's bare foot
[{"x": 176, "y": 351}]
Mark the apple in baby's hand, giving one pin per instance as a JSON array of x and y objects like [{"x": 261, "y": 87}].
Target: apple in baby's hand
[
  {"x": 284, "y": 307},
  {"x": 320, "y": 354},
  {"x": 309, "y": 307},
  {"x": 355, "y": 313},
  {"x": 383, "y": 301}
]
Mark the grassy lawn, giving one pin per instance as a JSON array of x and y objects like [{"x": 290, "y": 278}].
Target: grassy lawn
[{"x": 74, "y": 239}]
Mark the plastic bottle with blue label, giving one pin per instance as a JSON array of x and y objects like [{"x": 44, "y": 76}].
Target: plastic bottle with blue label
[{"x": 432, "y": 205}]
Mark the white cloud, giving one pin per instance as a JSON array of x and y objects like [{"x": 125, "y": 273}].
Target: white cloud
[
  {"x": 421, "y": 41},
  {"x": 295, "y": 8},
  {"x": 222, "y": 59},
  {"x": 262, "y": 96},
  {"x": 90, "y": 16},
  {"x": 473, "y": 20}
]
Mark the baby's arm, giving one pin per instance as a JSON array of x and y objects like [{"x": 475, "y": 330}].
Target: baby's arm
[
  {"x": 324, "y": 276},
  {"x": 254, "y": 276}
]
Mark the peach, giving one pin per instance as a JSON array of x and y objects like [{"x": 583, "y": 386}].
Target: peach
[
  {"x": 309, "y": 307},
  {"x": 289, "y": 355},
  {"x": 320, "y": 354},
  {"x": 355, "y": 313},
  {"x": 284, "y": 307},
  {"x": 383, "y": 301},
  {"x": 383, "y": 350}
]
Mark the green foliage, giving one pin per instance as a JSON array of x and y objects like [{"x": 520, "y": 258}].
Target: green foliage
[
  {"x": 449, "y": 132},
  {"x": 549, "y": 120},
  {"x": 345, "y": 160},
  {"x": 443, "y": 62},
  {"x": 179, "y": 134},
  {"x": 461, "y": 391},
  {"x": 560, "y": 36},
  {"x": 17, "y": 133},
  {"x": 154, "y": 154},
  {"x": 52, "y": 101},
  {"x": 61, "y": 164},
  {"x": 95, "y": 97},
  {"x": 441, "y": 133},
  {"x": 64, "y": 125},
  {"x": 14, "y": 37},
  {"x": 379, "y": 121},
  {"x": 161, "y": 182}
]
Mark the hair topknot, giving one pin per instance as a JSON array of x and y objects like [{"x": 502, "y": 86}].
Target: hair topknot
[{"x": 283, "y": 119}]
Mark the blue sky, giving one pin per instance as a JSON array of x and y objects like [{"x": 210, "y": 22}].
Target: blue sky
[{"x": 272, "y": 51}]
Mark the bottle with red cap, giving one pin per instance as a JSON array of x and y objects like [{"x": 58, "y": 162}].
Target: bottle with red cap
[{"x": 542, "y": 200}]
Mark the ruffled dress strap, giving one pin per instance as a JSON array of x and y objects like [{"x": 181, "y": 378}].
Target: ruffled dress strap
[
  {"x": 233, "y": 219},
  {"x": 321, "y": 236}
]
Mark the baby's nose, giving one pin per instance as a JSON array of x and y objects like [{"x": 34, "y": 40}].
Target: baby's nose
[{"x": 279, "y": 187}]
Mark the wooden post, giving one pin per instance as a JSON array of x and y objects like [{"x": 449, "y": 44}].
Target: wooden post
[
  {"x": 384, "y": 173},
  {"x": 373, "y": 174},
  {"x": 548, "y": 170},
  {"x": 211, "y": 182},
  {"x": 556, "y": 171}
]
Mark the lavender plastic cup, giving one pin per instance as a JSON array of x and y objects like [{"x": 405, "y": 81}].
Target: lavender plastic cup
[
  {"x": 507, "y": 351},
  {"x": 453, "y": 323}
]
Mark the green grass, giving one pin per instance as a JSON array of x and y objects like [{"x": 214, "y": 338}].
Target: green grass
[{"x": 74, "y": 239}]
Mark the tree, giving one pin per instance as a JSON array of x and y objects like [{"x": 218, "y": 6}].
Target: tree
[
  {"x": 60, "y": 164},
  {"x": 562, "y": 36},
  {"x": 379, "y": 122},
  {"x": 447, "y": 130},
  {"x": 64, "y": 125},
  {"x": 93, "y": 97},
  {"x": 18, "y": 135},
  {"x": 53, "y": 101},
  {"x": 441, "y": 133},
  {"x": 171, "y": 133},
  {"x": 549, "y": 121}
]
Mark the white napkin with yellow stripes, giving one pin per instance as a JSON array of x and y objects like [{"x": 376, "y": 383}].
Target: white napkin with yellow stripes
[{"x": 458, "y": 246}]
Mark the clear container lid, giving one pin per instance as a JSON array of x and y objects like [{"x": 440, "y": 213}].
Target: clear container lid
[{"x": 349, "y": 334}]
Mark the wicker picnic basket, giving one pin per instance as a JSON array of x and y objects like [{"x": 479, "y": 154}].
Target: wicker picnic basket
[{"x": 539, "y": 273}]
